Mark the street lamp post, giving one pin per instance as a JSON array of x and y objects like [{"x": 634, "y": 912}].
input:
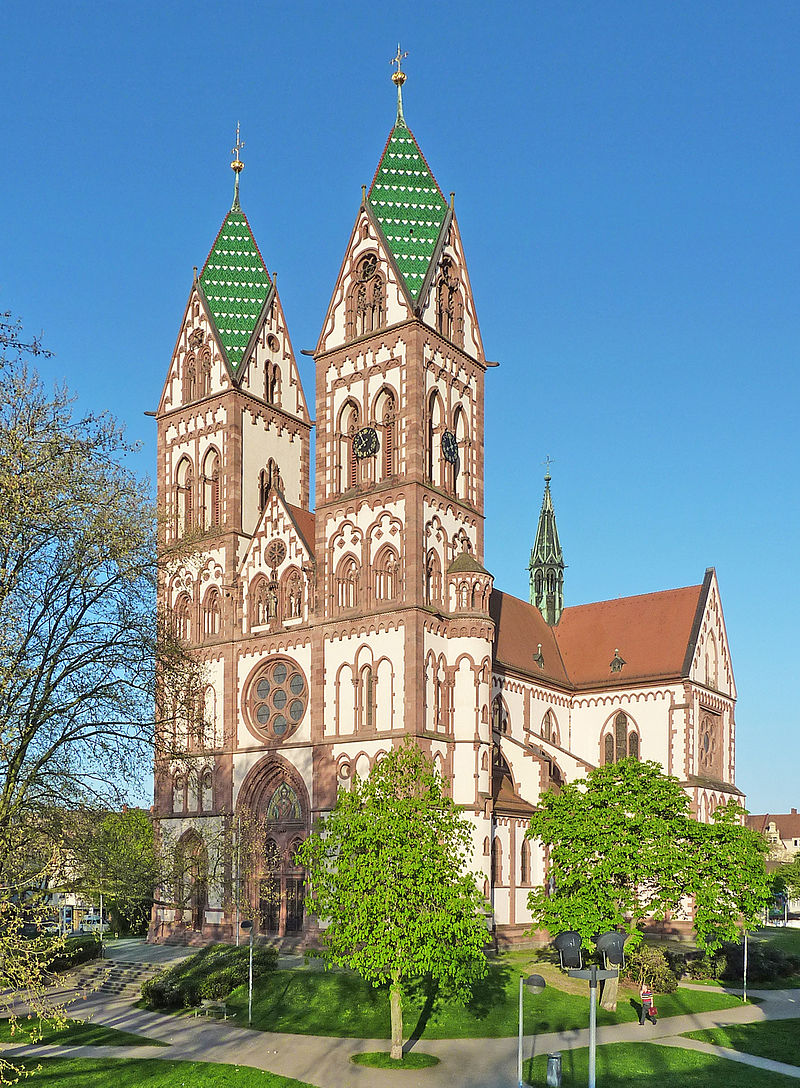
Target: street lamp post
[
  {"x": 569, "y": 948},
  {"x": 247, "y": 924},
  {"x": 535, "y": 983}
]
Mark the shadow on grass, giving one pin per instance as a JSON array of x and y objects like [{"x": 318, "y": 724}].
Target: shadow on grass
[{"x": 486, "y": 995}]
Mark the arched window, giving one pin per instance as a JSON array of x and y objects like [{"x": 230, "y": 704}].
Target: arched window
[
  {"x": 259, "y": 603},
  {"x": 621, "y": 740},
  {"x": 499, "y": 715},
  {"x": 210, "y": 490},
  {"x": 385, "y": 417},
  {"x": 178, "y": 793},
  {"x": 205, "y": 373},
  {"x": 192, "y": 792},
  {"x": 525, "y": 862},
  {"x": 549, "y": 728},
  {"x": 184, "y": 481},
  {"x": 274, "y": 384},
  {"x": 206, "y": 790},
  {"x": 366, "y": 700},
  {"x": 348, "y": 462},
  {"x": 538, "y": 581},
  {"x": 709, "y": 745},
  {"x": 292, "y": 594},
  {"x": 366, "y": 300},
  {"x": 486, "y": 847},
  {"x": 449, "y": 305},
  {"x": 459, "y": 481},
  {"x": 209, "y": 708},
  {"x": 183, "y": 618},
  {"x": 386, "y": 569},
  {"x": 485, "y": 761},
  {"x": 347, "y": 583},
  {"x": 212, "y": 614},
  {"x": 434, "y": 427},
  {"x": 497, "y": 862},
  {"x": 712, "y": 662},
  {"x": 189, "y": 389},
  {"x": 433, "y": 579}
]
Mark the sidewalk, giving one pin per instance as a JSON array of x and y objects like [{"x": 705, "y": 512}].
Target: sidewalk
[{"x": 325, "y": 1062}]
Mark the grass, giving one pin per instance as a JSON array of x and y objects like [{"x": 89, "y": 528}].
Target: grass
[
  {"x": 776, "y": 1039},
  {"x": 72, "y": 1033},
  {"x": 645, "y": 1065},
  {"x": 151, "y": 1073},
  {"x": 785, "y": 937},
  {"x": 380, "y": 1059},
  {"x": 339, "y": 1003}
]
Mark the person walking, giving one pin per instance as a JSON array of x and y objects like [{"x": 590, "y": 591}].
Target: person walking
[{"x": 648, "y": 1010}]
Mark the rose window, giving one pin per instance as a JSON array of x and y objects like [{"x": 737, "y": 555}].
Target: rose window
[{"x": 277, "y": 699}]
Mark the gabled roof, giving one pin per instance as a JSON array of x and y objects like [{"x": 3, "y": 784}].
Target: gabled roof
[
  {"x": 651, "y": 631},
  {"x": 519, "y": 629},
  {"x": 236, "y": 284},
  {"x": 305, "y": 522},
  {"x": 408, "y": 204},
  {"x": 787, "y": 823}
]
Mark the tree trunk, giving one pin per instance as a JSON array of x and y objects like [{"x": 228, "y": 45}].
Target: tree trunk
[
  {"x": 396, "y": 998},
  {"x": 610, "y": 994}
]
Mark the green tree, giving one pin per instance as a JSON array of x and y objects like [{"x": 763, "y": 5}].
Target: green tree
[
  {"x": 388, "y": 873},
  {"x": 623, "y": 848}
]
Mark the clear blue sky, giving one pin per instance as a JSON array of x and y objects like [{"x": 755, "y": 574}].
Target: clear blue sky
[{"x": 626, "y": 178}]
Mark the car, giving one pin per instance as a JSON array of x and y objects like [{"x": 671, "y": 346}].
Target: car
[{"x": 92, "y": 924}]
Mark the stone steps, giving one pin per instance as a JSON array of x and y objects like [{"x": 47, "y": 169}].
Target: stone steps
[{"x": 109, "y": 976}]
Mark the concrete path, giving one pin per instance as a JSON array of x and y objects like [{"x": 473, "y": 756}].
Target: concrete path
[{"x": 325, "y": 1062}]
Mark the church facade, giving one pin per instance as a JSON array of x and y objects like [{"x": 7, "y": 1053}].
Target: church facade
[{"x": 328, "y": 634}]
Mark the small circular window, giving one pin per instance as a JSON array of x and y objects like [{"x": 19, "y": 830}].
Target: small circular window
[{"x": 277, "y": 698}]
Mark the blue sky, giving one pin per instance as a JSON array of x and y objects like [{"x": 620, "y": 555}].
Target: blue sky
[{"x": 626, "y": 178}]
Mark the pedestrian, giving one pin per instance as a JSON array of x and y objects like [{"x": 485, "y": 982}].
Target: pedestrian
[{"x": 648, "y": 1010}]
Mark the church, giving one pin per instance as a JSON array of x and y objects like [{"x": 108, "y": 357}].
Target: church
[{"x": 329, "y": 632}]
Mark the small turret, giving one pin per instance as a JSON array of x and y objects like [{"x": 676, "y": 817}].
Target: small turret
[{"x": 547, "y": 563}]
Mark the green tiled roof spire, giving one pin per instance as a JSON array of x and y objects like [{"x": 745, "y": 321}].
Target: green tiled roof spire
[
  {"x": 234, "y": 278},
  {"x": 406, "y": 200},
  {"x": 547, "y": 561}
]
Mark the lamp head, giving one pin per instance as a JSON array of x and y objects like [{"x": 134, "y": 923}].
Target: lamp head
[
  {"x": 568, "y": 945},
  {"x": 612, "y": 947}
]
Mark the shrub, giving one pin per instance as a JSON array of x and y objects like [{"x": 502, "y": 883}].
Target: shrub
[
  {"x": 649, "y": 964},
  {"x": 210, "y": 974},
  {"x": 75, "y": 950}
]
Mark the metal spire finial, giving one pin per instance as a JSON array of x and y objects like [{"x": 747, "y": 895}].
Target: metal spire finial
[
  {"x": 237, "y": 166},
  {"x": 548, "y": 461},
  {"x": 399, "y": 78}
]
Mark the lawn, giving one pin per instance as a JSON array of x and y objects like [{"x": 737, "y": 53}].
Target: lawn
[
  {"x": 339, "y": 1003},
  {"x": 776, "y": 1039},
  {"x": 785, "y": 937},
  {"x": 645, "y": 1065},
  {"x": 152, "y": 1073},
  {"x": 73, "y": 1033}
]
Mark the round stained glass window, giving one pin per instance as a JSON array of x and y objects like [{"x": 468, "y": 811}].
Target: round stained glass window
[{"x": 277, "y": 699}]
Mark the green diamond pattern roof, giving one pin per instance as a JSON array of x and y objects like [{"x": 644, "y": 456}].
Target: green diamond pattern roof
[
  {"x": 236, "y": 284},
  {"x": 408, "y": 205}
]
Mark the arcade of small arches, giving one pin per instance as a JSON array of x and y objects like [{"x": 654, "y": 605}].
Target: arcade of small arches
[
  {"x": 194, "y": 720},
  {"x": 197, "y": 502},
  {"x": 193, "y": 791},
  {"x": 383, "y": 583},
  {"x": 365, "y": 695}
]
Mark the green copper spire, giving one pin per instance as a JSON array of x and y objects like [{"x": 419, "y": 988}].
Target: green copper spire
[
  {"x": 405, "y": 198},
  {"x": 547, "y": 562}
]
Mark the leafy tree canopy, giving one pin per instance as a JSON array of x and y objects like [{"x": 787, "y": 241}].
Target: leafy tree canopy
[
  {"x": 389, "y": 878},
  {"x": 623, "y": 847}
]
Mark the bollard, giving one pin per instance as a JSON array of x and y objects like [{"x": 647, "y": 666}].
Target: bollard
[{"x": 554, "y": 1070}]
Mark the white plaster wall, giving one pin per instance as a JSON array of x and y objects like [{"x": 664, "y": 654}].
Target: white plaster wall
[
  {"x": 344, "y": 658},
  {"x": 260, "y": 441}
]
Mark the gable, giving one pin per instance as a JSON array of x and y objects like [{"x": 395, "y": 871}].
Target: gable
[
  {"x": 269, "y": 369},
  {"x": 196, "y": 347},
  {"x": 365, "y": 239},
  {"x": 450, "y": 251},
  {"x": 708, "y": 659}
]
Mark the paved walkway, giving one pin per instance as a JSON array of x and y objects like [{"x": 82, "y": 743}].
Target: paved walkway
[{"x": 325, "y": 1062}]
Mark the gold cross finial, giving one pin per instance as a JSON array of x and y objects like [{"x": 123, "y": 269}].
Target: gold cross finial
[
  {"x": 399, "y": 75},
  {"x": 548, "y": 461},
  {"x": 399, "y": 78},
  {"x": 237, "y": 166}
]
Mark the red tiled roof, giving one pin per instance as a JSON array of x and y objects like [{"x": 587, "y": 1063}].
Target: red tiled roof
[
  {"x": 304, "y": 520},
  {"x": 519, "y": 628},
  {"x": 787, "y": 823},
  {"x": 652, "y": 633}
]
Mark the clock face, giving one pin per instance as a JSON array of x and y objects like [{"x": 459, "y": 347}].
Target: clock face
[
  {"x": 365, "y": 442},
  {"x": 450, "y": 447}
]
